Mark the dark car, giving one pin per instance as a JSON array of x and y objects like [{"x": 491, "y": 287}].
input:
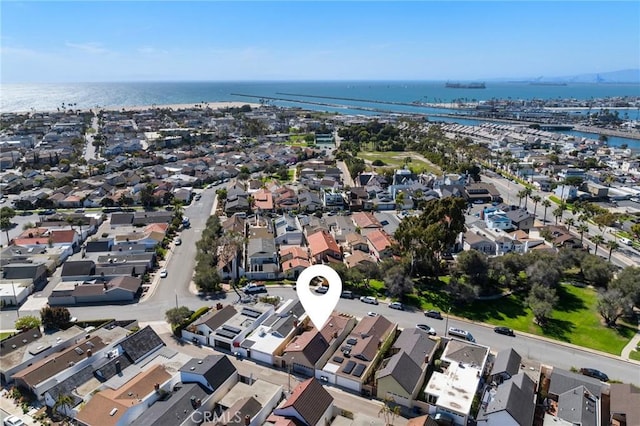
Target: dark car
[
  {"x": 504, "y": 330},
  {"x": 592, "y": 372},
  {"x": 347, "y": 294},
  {"x": 433, "y": 314}
]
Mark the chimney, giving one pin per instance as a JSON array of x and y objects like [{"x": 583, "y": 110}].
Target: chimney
[
  {"x": 156, "y": 386},
  {"x": 247, "y": 420},
  {"x": 89, "y": 353}
]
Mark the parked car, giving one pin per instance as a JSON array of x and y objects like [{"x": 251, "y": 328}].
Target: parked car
[
  {"x": 433, "y": 314},
  {"x": 163, "y": 273},
  {"x": 504, "y": 330},
  {"x": 178, "y": 241},
  {"x": 463, "y": 334},
  {"x": 347, "y": 294},
  {"x": 369, "y": 299},
  {"x": 253, "y": 288},
  {"x": 592, "y": 372},
  {"x": 322, "y": 289},
  {"x": 372, "y": 314},
  {"x": 425, "y": 327},
  {"x": 13, "y": 421},
  {"x": 396, "y": 305}
]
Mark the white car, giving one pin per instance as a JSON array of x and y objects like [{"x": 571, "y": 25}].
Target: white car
[
  {"x": 369, "y": 299},
  {"x": 372, "y": 314},
  {"x": 163, "y": 273},
  {"x": 424, "y": 327},
  {"x": 13, "y": 421}
]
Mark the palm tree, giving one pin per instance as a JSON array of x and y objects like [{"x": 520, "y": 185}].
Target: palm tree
[
  {"x": 527, "y": 193},
  {"x": 612, "y": 245},
  {"x": 546, "y": 204},
  {"x": 569, "y": 223},
  {"x": 557, "y": 213},
  {"x": 536, "y": 199},
  {"x": 597, "y": 240},
  {"x": 582, "y": 228},
  {"x": 521, "y": 195},
  {"x": 64, "y": 402}
]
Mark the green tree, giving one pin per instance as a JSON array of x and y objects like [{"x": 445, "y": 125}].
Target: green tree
[
  {"x": 397, "y": 281},
  {"x": 635, "y": 230},
  {"x": 55, "y": 317},
  {"x": 595, "y": 270},
  {"x": 628, "y": 283},
  {"x": 543, "y": 273},
  {"x": 423, "y": 239},
  {"x": 474, "y": 265},
  {"x": 541, "y": 300},
  {"x": 610, "y": 306},
  {"x": 177, "y": 316},
  {"x": 27, "y": 322},
  {"x": 207, "y": 280}
]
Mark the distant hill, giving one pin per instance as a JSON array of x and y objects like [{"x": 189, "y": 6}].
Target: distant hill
[{"x": 621, "y": 76}]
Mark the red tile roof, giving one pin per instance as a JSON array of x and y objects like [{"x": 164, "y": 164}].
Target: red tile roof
[
  {"x": 322, "y": 241},
  {"x": 379, "y": 239}
]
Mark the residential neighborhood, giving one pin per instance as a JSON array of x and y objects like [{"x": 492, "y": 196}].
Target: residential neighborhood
[{"x": 494, "y": 225}]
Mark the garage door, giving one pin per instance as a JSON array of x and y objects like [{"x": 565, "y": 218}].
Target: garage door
[
  {"x": 303, "y": 369},
  {"x": 222, "y": 345}
]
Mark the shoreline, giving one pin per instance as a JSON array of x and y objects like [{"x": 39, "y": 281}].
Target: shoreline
[{"x": 195, "y": 105}]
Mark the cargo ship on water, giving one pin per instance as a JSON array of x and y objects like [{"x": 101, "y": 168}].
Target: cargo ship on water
[{"x": 477, "y": 85}]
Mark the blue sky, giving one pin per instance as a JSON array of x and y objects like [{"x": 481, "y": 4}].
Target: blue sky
[{"x": 431, "y": 40}]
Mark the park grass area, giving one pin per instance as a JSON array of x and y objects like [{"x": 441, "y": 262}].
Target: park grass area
[
  {"x": 396, "y": 159},
  {"x": 4, "y": 335},
  {"x": 635, "y": 355},
  {"x": 575, "y": 320}
]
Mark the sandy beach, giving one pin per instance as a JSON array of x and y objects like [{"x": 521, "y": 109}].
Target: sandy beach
[{"x": 195, "y": 105}]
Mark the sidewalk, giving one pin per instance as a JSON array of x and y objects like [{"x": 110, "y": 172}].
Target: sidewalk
[
  {"x": 8, "y": 405},
  {"x": 631, "y": 346}
]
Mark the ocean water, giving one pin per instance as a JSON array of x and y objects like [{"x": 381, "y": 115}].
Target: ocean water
[
  {"x": 347, "y": 97},
  {"x": 48, "y": 97}
]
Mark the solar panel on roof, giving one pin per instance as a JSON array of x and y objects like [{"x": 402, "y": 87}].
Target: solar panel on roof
[
  {"x": 251, "y": 313},
  {"x": 349, "y": 367},
  {"x": 234, "y": 330},
  {"x": 79, "y": 351},
  {"x": 338, "y": 359},
  {"x": 225, "y": 333},
  {"x": 359, "y": 370}
]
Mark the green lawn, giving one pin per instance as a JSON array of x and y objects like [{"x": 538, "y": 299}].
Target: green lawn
[
  {"x": 396, "y": 160},
  {"x": 4, "y": 335},
  {"x": 574, "y": 320},
  {"x": 635, "y": 355}
]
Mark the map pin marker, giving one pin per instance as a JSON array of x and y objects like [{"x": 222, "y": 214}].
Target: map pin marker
[{"x": 319, "y": 307}]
